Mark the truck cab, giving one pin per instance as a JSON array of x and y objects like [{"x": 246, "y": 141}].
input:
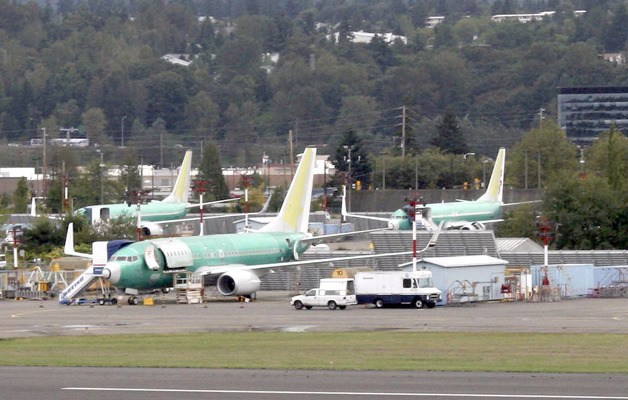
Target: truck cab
[{"x": 330, "y": 298}]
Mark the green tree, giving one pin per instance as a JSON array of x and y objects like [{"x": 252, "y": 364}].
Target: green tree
[
  {"x": 351, "y": 144},
  {"x": 210, "y": 170},
  {"x": 586, "y": 213},
  {"x": 95, "y": 124},
  {"x": 607, "y": 158},
  {"x": 130, "y": 177},
  {"x": 550, "y": 145},
  {"x": 21, "y": 197},
  {"x": 449, "y": 138}
]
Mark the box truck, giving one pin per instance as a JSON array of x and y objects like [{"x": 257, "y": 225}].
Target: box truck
[{"x": 382, "y": 288}]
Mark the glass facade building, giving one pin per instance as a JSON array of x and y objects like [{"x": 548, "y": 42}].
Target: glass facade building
[{"x": 585, "y": 112}]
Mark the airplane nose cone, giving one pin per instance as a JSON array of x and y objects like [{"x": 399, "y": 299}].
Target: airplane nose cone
[{"x": 111, "y": 272}]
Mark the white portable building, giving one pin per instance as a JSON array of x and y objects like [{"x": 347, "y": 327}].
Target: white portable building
[{"x": 465, "y": 278}]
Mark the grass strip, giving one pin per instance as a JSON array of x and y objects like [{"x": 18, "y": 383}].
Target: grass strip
[{"x": 417, "y": 351}]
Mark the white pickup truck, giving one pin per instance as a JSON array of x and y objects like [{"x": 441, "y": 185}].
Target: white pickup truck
[{"x": 323, "y": 298}]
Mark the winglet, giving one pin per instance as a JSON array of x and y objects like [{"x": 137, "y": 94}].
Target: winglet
[
  {"x": 69, "y": 244},
  {"x": 181, "y": 189},
  {"x": 295, "y": 212},
  {"x": 495, "y": 189}
]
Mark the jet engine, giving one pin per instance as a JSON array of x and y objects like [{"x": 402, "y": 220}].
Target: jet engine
[
  {"x": 150, "y": 229},
  {"x": 238, "y": 283},
  {"x": 394, "y": 224},
  {"x": 472, "y": 226}
]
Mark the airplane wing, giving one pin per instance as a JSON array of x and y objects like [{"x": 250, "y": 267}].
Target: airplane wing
[
  {"x": 262, "y": 269},
  {"x": 521, "y": 202},
  {"x": 322, "y": 238},
  {"x": 345, "y": 214},
  {"x": 209, "y": 203}
]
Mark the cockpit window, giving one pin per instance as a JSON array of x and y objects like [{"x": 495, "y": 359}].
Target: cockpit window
[{"x": 124, "y": 258}]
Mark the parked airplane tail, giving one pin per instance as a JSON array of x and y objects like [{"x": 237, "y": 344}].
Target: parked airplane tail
[
  {"x": 295, "y": 211},
  {"x": 181, "y": 189},
  {"x": 495, "y": 189}
]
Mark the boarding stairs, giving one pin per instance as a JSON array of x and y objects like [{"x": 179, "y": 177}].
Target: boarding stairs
[
  {"x": 460, "y": 292},
  {"x": 82, "y": 282}
]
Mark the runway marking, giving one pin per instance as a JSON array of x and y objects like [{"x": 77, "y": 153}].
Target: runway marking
[{"x": 387, "y": 394}]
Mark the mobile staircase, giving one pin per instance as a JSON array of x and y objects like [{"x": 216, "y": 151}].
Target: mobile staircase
[{"x": 101, "y": 251}]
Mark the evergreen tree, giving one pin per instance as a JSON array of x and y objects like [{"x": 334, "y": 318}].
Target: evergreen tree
[
  {"x": 210, "y": 170},
  {"x": 21, "y": 197},
  {"x": 449, "y": 138},
  {"x": 360, "y": 165}
]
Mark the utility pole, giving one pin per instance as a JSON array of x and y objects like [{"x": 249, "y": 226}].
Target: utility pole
[
  {"x": 525, "y": 164},
  {"x": 68, "y": 131},
  {"x": 122, "y": 129},
  {"x": 349, "y": 180},
  {"x": 403, "y": 132},
  {"x": 538, "y": 154},
  {"x": 161, "y": 149},
  {"x": 43, "y": 171},
  {"x": 291, "y": 153}
]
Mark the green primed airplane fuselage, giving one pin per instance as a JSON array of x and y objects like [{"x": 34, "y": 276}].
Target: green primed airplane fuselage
[
  {"x": 205, "y": 251},
  {"x": 153, "y": 211},
  {"x": 468, "y": 211}
]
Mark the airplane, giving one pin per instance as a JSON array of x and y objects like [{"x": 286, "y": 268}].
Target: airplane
[
  {"x": 238, "y": 261},
  {"x": 462, "y": 215},
  {"x": 174, "y": 207}
]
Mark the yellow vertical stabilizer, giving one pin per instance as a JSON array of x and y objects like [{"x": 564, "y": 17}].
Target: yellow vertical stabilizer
[
  {"x": 181, "y": 189},
  {"x": 495, "y": 189},
  {"x": 295, "y": 211}
]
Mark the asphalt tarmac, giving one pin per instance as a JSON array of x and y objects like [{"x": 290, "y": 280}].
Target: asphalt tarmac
[
  {"x": 272, "y": 312},
  {"x": 58, "y": 383}
]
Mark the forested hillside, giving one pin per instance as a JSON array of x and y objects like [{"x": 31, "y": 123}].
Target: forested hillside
[{"x": 96, "y": 65}]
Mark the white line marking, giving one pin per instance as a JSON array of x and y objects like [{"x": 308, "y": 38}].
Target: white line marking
[{"x": 388, "y": 394}]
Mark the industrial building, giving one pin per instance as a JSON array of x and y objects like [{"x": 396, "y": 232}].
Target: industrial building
[{"x": 585, "y": 112}]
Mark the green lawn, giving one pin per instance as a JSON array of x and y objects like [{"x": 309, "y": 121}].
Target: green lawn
[{"x": 592, "y": 353}]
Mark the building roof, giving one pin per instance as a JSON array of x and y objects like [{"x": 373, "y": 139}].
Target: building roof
[
  {"x": 517, "y": 244},
  {"x": 599, "y": 258},
  {"x": 462, "y": 261}
]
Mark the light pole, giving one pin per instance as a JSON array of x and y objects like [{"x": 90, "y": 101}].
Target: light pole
[
  {"x": 348, "y": 180},
  {"x": 484, "y": 172},
  {"x": 102, "y": 166},
  {"x": 467, "y": 155}
]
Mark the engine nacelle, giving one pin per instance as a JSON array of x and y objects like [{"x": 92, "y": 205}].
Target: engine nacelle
[
  {"x": 150, "y": 229},
  {"x": 238, "y": 283},
  {"x": 394, "y": 224},
  {"x": 473, "y": 226}
]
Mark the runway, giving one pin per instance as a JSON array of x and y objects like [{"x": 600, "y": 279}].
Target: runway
[{"x": 54, "y": 383}]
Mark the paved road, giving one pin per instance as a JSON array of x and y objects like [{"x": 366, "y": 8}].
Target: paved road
[
  {"x": 56, "y": 383},
  {"x": 272, "y": 312}
]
